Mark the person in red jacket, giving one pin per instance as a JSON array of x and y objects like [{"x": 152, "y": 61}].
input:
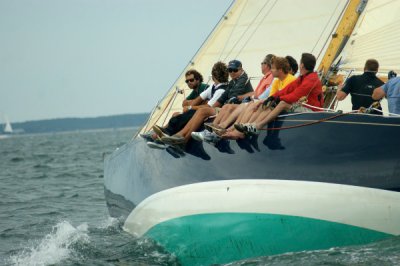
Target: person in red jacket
[{"x": 307, "y": 88}]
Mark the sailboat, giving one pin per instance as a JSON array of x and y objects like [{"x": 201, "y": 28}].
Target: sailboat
[
  {"x": 314, "y": 181},
  {"x": 7, "y": 130}
]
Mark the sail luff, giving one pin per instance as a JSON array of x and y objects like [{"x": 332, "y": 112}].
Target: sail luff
[{"x": 174, "y": 93}]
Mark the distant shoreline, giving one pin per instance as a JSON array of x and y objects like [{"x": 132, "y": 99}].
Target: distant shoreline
[{"x": 79, "y": 124}]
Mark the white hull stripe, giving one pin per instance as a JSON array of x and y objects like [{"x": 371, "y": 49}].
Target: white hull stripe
[{"x": 368, "y": 208}]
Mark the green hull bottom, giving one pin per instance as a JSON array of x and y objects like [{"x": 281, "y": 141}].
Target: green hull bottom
[{"x": 225, "y": 237}]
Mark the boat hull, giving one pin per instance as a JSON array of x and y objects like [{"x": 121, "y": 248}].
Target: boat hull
[
  {"x": 223, "y": 221},
  {"x": 356, "y": 151}
]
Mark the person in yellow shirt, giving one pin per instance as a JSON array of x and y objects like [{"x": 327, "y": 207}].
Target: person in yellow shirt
[{"x": 281, "y": 73}]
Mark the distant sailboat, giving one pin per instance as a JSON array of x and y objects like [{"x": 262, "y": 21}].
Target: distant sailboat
[{"x": 7, "y": 128}]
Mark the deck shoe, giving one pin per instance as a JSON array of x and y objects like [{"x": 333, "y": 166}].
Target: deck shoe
[
  {"x": 157, "y": 144},
  {"x": 208, "y": 126},
  {"x": 159, "y": 131},
  {"x": 217, "y": 129},
  {"x": 147, "y": 135},
  {"x": 173, "y": 140}
]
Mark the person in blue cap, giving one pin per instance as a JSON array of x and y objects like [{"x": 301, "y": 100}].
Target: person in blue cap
[{"x": 238, "y": 88}]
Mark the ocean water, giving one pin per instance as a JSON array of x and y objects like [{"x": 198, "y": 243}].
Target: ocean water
[{"x": 53, "y": 211}]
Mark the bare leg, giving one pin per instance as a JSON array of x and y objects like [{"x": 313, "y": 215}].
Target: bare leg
[
  {"x": 282, "y": 106},
  {"x": 236, "y": 112},
  {"x": 196, "y": 121},
  {"x": 224, "y": 113},
  {"x": 247, "y": 114}
]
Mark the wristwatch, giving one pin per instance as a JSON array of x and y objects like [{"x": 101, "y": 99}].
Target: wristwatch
[{"x": 189, "y": 107}]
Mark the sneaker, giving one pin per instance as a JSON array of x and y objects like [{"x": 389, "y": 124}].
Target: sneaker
[
  {"x": 217, "y": 129},
  {"x": 199, "y": 136},
  {"x": 147, "y": 135},
  {"x": 157, "y": 144},
  {"x": 159, "y": 131},
  {"x": 249, "y": 129},
  {"x": 206, "y": 135},
  {"x": 173, "y": 140}
]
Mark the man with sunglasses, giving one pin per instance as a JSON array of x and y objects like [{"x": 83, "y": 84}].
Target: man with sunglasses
[
  {"x": 194, "y": 80},
  {"x": 238, "y": 87},
  {"x": 206, "y": 99}
]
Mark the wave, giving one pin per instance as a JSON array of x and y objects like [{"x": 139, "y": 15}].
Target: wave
[{"x": 54, "y": 247}]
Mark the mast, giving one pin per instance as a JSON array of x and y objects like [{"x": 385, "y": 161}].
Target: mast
[
  {"x": 342, "y": 34},
  {"x": 340, "y": 37}
]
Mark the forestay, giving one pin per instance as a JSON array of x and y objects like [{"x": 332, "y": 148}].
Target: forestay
[{"x": 251, "y": 29}]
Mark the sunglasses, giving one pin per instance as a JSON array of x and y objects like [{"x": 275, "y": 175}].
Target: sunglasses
[
  {"x": 189, "y": 80},
  {"x": 230, "y": 70}
]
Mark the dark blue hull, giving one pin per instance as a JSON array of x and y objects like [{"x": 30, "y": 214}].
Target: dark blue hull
[{"x": 353, "y": 149}]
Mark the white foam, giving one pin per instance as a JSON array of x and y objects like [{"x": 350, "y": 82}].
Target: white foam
[
  {"x": 109, "y": 222},
  {"x": 54, "y": 247}
]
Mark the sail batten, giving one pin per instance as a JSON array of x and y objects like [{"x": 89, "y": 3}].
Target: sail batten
[{"x": 376, "y": 35}]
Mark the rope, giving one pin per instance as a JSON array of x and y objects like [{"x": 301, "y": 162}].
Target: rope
[
  {"x": 170, "y": 105},
  {"x": 391, "y": 114},
  {"x": 318, "y": 108},
  {"x": 166, "y": 106},
  {"x": 309, "y": 124}
]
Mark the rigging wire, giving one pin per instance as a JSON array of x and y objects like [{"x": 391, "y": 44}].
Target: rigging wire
[
  {"x": 326, "y": 26},
  {"x": 258, "y": 25},
  {"x": 246, "y": 30},
  {"x": 231, "y": 34}
]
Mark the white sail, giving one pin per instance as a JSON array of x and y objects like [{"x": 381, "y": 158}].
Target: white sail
[
  {"x": 376, "y": 35},
  {"x": 7, "y": 128},
  {"x": 250, "y": 30}
]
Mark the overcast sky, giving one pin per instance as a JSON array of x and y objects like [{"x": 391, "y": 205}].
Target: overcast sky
[{"x": 87, "y": 58}]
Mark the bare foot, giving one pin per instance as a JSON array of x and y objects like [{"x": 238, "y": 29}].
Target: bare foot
[{"x": 234, "y": 134}]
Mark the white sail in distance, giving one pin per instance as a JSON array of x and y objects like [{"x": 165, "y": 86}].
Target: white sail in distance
[
  {"x": 7, "y": 127},
  {"x": 249, "y": 31}
]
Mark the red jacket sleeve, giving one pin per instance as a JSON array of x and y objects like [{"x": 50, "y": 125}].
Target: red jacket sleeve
[{"x": 302, "y": 89}]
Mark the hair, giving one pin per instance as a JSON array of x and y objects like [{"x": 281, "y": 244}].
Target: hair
[
  {"x": 220, "y": 72},
  {"x": 371, "y": 65},
  {"x": 281, "y": 63},
  {"x": 308, "y": 61},
  {"x": 195, "y": 73},
  {"x": 268, "y": 59},
  {"x": 292, "y": 63}
]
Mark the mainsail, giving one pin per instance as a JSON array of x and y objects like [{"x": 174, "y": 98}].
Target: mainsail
[
  {"x": 248, "y": 31},
  {"x": 376, "y": 35}
]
